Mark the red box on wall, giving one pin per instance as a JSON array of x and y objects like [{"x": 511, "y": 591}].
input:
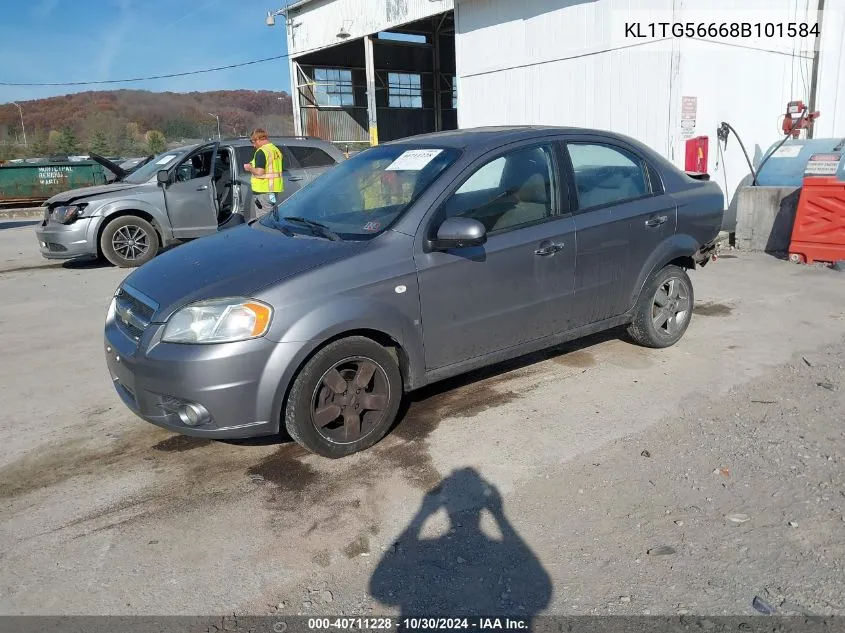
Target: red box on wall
[
  {"x": 818, "y": 233},
  {"x": 696, "y": 154}
]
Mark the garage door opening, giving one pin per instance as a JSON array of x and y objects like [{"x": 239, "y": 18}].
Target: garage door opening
[{"x": 413, "y": 81}]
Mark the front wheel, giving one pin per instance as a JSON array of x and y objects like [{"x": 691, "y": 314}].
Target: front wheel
[
  {"x": 664, "y": 310},
  {"x": 345, "y": 398},
  {"x": 129, "y": 241}
]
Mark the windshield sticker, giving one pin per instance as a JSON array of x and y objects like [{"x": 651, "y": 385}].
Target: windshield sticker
[
  {"x": 372, "y": 226},
  {"x": 165, "y": 160},
  {"x": 413, "y": 160}
]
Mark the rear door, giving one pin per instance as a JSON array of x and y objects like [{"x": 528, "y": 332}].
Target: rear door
[
  {"x": 314, "y": 160},
  {"x": 189, "y": 195},
  {"x": 622, "y": 216},
  {"x": 293, "y": 175}
]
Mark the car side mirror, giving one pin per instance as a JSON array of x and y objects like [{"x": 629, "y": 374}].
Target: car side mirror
[
  {"x": 460, "y": 233},
  {"x": 163, "y": 176}
]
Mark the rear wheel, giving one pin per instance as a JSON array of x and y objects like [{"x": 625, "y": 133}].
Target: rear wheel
[
  {"x": 345, "y": 398},
  {"x": 664, "y": 310},
  {"x": 129, "y": 241}
]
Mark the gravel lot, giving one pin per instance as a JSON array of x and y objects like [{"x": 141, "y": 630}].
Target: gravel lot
[{"x": 596, "y": 478}]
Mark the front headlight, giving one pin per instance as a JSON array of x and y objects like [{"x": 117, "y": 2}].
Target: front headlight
[
  {"x": 218, "y": 321},
  {"x": 68, "y": 214}
]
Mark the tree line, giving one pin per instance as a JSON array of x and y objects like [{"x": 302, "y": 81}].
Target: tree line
[{"x": 136, "y": 123}]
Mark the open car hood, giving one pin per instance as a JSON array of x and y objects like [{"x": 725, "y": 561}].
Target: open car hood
[
  {"x": 112, "y": 167},
  {"x": 116, "y": 169}
]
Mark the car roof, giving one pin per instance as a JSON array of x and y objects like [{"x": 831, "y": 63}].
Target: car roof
[
  {"x": 289, "y": 140},
  {"x": 481, "y": 137},
  {"x": 244, "y": 141}
]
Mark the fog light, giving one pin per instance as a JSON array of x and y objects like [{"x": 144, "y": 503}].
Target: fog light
[{"x": 193, "y": 414}]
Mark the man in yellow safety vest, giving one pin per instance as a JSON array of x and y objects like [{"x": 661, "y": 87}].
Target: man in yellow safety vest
[
  {"x": 385, "y": 188},
  {"x": 266, "y": 170}
]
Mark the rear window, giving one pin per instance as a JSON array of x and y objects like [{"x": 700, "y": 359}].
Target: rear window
[{"x": 311, "y": 156}]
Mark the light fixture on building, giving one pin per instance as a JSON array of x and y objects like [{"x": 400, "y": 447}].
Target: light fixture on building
[
  {"x": 343, "y": 33},
  {"x": 271, "y": 17}
]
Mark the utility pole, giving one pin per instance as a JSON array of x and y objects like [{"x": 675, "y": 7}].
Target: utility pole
[
  {"x": 814, "y": 79},
  {"x": 23, "y": 127},
  {"x": 218, "y": 124}
]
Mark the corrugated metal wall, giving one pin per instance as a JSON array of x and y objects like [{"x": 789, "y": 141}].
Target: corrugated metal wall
[
  {"x": 562, "y": 62},
  {"x": 318, "y": 22},
  {"x": 831, "y": 97},
  {"x": 554, "y": 68}
]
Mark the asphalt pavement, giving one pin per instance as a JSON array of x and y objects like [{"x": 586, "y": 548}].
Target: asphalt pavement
[{"x": 599, "y": 477}]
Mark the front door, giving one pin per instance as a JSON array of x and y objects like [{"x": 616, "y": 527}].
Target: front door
[
  {"x": 621, "y": 218},
  {"x": 513, "y": 289},
  {"x": 189, "y": 195}
]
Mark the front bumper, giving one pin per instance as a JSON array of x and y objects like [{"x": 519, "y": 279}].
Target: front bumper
[
  {"x": 67, "y": 241},
  {"x": 239, "y": 385}
]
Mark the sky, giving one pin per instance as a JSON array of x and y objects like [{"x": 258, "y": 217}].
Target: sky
[{"x": 51, "y": 41}]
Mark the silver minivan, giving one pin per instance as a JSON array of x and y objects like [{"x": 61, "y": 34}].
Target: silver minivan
[{"x": 178, "y": 195}]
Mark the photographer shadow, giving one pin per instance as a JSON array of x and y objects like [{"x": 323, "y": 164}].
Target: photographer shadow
[{"x": 464, "y": 572}]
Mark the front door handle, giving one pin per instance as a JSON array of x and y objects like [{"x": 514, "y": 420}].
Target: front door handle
[
  {"x": 202, "y": 187},
  {"x": 651, "y": 222},
  {"x": 294, "y": 178},
  {"x": 548, "y": 248}
]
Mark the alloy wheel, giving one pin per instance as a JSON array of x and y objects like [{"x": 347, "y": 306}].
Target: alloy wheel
[
  {"x": 130, "y": 242},
  {"x": 350, "y": 400},
  {"x": 671, "y": 307}
]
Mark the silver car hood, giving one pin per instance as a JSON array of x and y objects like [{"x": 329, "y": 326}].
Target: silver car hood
[{"x": 88, "y": 192}]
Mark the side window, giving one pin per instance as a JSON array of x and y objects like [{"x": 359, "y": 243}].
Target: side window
[
  {"x": 311, "y": 156},
  {"x": 246, "y": 152},
  {"x": 511, "y": 191},
  {"x": 654, "y": 180},
  {"x": 606, "y": 175},
  {"x": 197, "y": 166},
  {"x": 244, "y": 155},
  {"x": 288, "y": 160}
]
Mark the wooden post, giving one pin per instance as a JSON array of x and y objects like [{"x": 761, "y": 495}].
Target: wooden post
[{"x": 372, "y": 112}]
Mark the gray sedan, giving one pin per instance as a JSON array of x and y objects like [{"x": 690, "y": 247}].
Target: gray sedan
[{"x": 409, "y": 263}]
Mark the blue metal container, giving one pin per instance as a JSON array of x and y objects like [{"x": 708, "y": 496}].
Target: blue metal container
[{"x": 785, "y": 168}]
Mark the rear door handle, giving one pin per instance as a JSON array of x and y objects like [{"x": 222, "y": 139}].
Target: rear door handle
[
  {"x": 294, "y": 178},
  {"x": 656, "y": 221},
  {"x": 548, "y": 248},
  {"x": 202, "y": 188}
]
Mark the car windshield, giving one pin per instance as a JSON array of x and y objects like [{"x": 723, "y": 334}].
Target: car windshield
[
  {"x": 162, "y": 161},
  {"x": 361, "y": 197}
]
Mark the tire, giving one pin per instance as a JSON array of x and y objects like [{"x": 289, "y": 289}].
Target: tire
[
  {"x": 646, "y": 329},
  {"x": 321, "y": 409},
  {"x": 123, "y": 238}
]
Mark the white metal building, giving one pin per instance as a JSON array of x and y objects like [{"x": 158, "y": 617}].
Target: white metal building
[{"x": 471, "y": 63}]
